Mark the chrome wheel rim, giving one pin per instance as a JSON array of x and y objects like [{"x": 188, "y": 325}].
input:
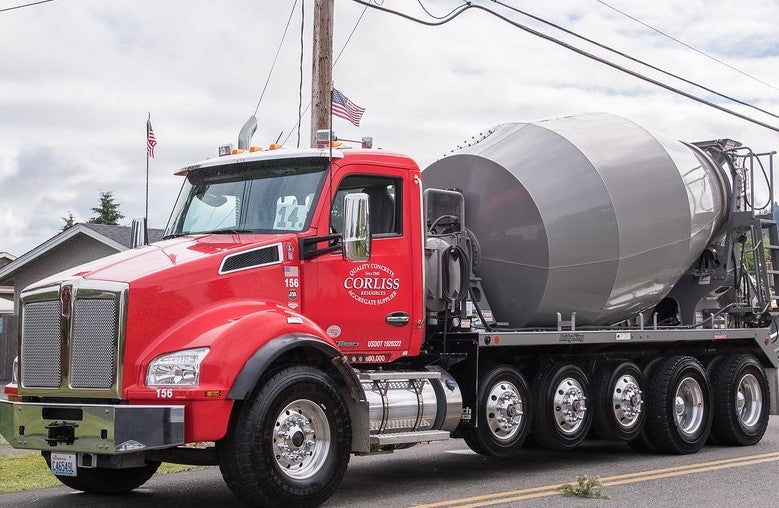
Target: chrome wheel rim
[
  {"x": 301, "y": 439},
  {"x": 749, "y": 401},
  {"x": 626, "y": 401},
  {"x": 688, "y": 407},
  {"x": 569, "y": 405},
  {"x": 504, "y": 410}
]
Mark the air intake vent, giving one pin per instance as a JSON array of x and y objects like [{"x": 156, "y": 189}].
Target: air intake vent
[{"x": 252, "y": 259}]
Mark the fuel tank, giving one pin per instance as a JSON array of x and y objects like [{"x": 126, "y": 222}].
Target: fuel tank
[{"x": 590, "y": 214}]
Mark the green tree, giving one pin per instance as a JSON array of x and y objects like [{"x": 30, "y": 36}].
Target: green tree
[
  {"x": 70, "y": 221},
  {"x": 107, "y": 211}
]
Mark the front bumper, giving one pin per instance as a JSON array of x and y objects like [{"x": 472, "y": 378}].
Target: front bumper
[{"x": 91, "y": 428}]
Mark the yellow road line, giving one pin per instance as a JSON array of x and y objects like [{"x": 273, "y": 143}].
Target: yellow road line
[{"x": 549, "y": 490}]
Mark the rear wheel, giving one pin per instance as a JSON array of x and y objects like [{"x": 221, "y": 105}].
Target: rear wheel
[
  {"x": 503, "y": 413},
  {"x": 741, "y": 400},
  {"x": 680, "y": 406},
  {"x": 619, "y": 400},
  {"x": 289, "y": 444},
  {"x": 97, "y": 480},
  {"x": 561, "y": 417}
]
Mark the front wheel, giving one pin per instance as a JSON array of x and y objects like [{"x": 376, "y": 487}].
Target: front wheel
[
  {"x": 290, "y": 443},
  {"x": 503, "y": 413},
  {"x": 98, "y": 480}
]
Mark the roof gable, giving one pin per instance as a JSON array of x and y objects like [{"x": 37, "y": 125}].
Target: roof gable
[{"x": 115, "y": 237}]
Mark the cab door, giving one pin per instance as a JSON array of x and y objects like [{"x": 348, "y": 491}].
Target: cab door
[{"x": 373, "y": 309}]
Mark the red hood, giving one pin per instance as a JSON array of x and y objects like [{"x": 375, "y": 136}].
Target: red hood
[{"x": 135, "y": 264}]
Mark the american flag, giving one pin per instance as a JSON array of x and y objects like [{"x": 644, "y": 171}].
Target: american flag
[
  {"x": 345, "y": 108},
  {"x": 151, "y": 141}
]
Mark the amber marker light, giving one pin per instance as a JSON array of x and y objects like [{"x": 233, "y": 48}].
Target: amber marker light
[
  {"x": 255, "y": 149},
  {"x": 496, "y": 340},
  {"x": 213, "y": 393},
  {"x": 274, "y": 146},
  {"x": 236, "y": 151}
]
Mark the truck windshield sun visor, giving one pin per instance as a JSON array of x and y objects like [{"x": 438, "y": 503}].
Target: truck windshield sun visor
[{"x": 248, "y": 197}]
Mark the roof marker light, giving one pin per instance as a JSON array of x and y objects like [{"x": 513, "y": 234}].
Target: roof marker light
[{"x": 255, "y": 149}]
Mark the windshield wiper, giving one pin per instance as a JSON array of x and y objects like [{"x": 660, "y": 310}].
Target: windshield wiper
[{"x": 234, "y": 231}]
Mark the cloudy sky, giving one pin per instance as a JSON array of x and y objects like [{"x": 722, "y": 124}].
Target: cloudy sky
[{"x": 78, "y": 78}]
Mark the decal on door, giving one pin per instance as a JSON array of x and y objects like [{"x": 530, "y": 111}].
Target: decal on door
[{"x": 372, "y": 284}]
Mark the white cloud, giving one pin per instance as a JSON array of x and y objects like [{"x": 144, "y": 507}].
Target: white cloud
[{"x": 79, "y": 79}]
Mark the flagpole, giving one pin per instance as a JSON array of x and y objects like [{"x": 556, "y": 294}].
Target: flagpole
[
  {"x": 331, "y": 136},
  {"x": 146, "y": 213}
]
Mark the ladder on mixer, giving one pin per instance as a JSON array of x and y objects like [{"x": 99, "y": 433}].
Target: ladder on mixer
[
  {"x": 764, "y": 232},
  {"x": 765, "y": 237}
]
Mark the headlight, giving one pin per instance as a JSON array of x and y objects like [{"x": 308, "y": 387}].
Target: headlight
[
  {"x": 15, "y": 371},
  {"x": 181, "y": 368}
]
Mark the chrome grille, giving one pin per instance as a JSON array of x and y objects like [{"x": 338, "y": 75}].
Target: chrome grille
[
  {"x": 41, "y": 345},
  {"x": 72, "y": 339},
  {"x": 92, "y": 360}
]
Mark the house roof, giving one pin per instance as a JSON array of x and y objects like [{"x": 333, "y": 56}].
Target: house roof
[{"x": 117, "y": 237}]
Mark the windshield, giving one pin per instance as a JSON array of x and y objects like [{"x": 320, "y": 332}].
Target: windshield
[{"x": 248, "y": 197}]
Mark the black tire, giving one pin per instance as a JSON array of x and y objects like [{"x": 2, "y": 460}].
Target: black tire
[
  {"x": 503, "y": 413},
  {"x": 618, "y": 409},
  {"x": 741, "y": 401},
  {"x": 680, "y": 406},
  {"x": 561, "y": 418},
  {"x": 264, "y": 466},
  {"x": 100, "y": 480}
]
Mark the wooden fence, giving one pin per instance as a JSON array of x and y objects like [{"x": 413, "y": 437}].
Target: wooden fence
[{"x": 8, "y": 344}]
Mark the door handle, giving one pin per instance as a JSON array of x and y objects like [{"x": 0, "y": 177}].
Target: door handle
[{"x": 397, "y": 318}]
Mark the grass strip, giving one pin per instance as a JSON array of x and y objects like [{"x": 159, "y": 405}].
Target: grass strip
[{"x": 29, "y": 472}]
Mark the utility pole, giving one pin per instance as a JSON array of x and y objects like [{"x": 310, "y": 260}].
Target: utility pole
[{"x": 322, "y": 67}]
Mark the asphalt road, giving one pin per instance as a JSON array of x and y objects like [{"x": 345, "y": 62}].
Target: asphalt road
[{"x": 448, "y": 474}]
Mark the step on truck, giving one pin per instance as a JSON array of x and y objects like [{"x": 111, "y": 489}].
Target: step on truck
[{"x": 554, "y": 280}]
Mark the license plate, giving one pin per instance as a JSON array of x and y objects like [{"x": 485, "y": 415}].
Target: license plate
[{"x": 63, "y": 464}]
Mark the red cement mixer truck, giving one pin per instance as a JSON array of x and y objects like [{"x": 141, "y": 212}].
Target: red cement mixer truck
[{"x": 554, "y": 279}]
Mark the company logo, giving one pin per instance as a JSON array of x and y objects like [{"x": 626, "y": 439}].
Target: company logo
[
  {"x": 372, "y": 284},
  {"x": 292, "y": 294}
]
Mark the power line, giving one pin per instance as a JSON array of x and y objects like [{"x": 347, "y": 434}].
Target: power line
[
  {"x": 335, "y": 62},
  {"x": 278, "y": 50},
  {"x": 25, "y": 5},
  {"x": 634, "y": 59},
  {"x": 686, "y": 45},
  {"x": 300, "y": 68},
  {"x": 433, "y": 15},
  {"x": 574, "y": 49}
]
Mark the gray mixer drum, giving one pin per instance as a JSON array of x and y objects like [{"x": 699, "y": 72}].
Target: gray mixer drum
[{"x": 590, "y": 213}]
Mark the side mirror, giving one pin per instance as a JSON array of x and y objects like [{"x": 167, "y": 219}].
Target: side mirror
[
  {"x": 139, "y": 235},
  {"x": 356, "y": 239}
]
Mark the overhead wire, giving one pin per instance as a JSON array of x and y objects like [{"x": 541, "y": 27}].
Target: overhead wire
[
  {"x": 570, "y": 47},
  {"x": 335, "y": 62},
  {"x": 25, "y": 5},
  {"x": 688, "y": 46},
  {"x": 433, "y": 15},
  {"x": 276, "y": 57},
  {"x": 633, "y": 59},
  {"x": 300, "y": 83}
]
